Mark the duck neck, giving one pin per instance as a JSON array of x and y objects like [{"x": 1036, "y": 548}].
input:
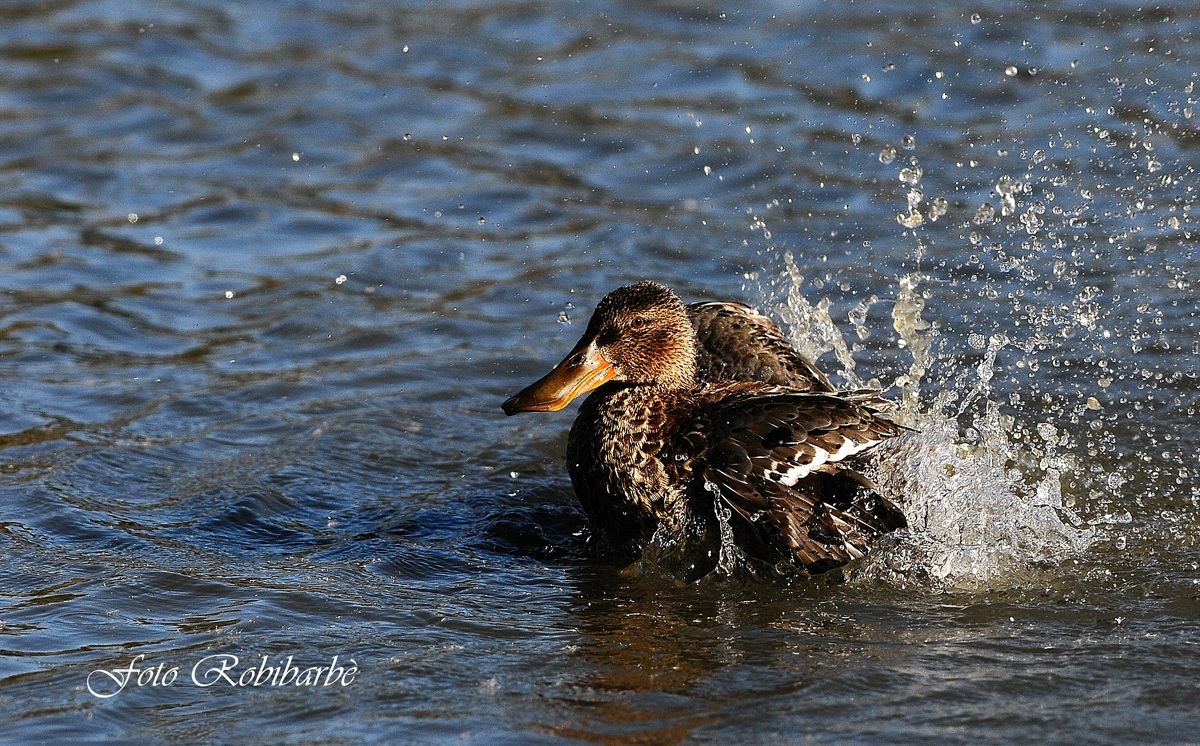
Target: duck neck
[{"x": 683, "y": 374}]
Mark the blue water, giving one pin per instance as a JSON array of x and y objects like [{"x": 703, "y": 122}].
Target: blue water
[{"x": 267, "y": 271}]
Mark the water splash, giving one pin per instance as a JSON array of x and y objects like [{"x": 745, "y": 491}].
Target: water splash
[
  {"x": 812, "y": 328},
  {"x": 971, "y": 525},
  {"x": 915, "y": 334},
  {"x": 977, "y": 520},
  {"x": 1065, "y": 387}
]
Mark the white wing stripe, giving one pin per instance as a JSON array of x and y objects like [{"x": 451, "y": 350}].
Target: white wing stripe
[{"x": 822, "y": 457}]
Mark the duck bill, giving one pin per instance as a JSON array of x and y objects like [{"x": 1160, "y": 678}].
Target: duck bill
[{"x": 583, "y": 370}]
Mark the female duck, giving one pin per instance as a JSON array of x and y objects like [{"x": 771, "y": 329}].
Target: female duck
[{"x": 682, "y": 429}]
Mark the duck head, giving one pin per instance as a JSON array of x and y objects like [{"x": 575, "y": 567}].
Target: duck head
[{"x": 638, "y": 335}]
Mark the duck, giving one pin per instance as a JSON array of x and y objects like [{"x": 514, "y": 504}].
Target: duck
[{"x": 704, "y": 428}]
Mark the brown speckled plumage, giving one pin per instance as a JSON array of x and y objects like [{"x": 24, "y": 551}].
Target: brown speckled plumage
[
  {"x": 704, "y": 410},
  {"x": 736, "y": 343}
]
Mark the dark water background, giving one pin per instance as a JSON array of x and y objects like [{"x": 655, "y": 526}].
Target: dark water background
[{"x": 268, "y": 269}]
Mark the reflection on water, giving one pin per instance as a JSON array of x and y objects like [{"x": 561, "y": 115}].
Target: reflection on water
[{"x": 269, "y": 269}]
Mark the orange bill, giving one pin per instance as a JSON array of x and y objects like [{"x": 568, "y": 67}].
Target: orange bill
[{"x": 583, "y": 370}]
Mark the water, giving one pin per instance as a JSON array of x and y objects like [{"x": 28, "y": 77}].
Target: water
[{"x": 269, "y": 269}]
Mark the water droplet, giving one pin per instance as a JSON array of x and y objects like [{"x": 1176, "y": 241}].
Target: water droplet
[
  {"x": 1092, "y": 403},
  {"x": 976, "y": 19},
  {"x": 296, "y": 157},
  {"x": 938, "y": 207},
  {"x": 339, "y": 279},
  {"x": 908, "y": 142},
  {"x": 228, "y": 294},
  {"x": 158, "y": 240},
  {"x": 132, "y": 217},
  {"x": 887, "y": 155},
  {"x": 911, "y": 175},
  {"x": 1010, "y": 71}
]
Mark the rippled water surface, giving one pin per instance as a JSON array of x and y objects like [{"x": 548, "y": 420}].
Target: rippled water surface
[{"x": 268, "y": 270}]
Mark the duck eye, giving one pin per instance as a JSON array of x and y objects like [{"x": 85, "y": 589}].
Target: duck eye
[{"x": 638, "y": 322}]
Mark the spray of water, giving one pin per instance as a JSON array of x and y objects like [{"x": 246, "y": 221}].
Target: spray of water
[
  {"x": 1042, "y": 337},
  {"x": 976, "y": 519}
]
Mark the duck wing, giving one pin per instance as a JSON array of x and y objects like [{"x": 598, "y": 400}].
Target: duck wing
[
  {"x": 737, "y": 343},
  {"x": 783, "y": 462}
]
